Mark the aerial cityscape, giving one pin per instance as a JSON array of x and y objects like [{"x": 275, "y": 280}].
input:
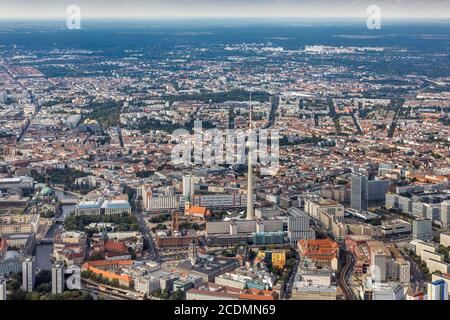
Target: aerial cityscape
[{"x": 224, "y": 158}]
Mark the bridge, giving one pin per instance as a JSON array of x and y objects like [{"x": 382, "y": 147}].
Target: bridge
[
  {"x": 58, "y": 188},
  {"x": 69, "y": 201},
  {"x": 46, "y": 241}
]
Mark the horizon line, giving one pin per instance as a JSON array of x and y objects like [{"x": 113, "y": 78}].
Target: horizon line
[{"x": 224, "y": 17}]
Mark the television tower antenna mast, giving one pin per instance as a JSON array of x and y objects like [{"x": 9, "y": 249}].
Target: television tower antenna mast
[{"x": 250, "y": 212}]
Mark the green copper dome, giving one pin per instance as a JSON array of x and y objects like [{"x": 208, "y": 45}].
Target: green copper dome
[{"x": 46, "y": 192}]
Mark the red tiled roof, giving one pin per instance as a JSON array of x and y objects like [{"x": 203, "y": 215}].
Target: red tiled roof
[
  {"x": 198, "y": 210},
  {"x": 116, "y": 246},
  {"x": 257, "y": 294},
  {"x": 323, "y": 248}
]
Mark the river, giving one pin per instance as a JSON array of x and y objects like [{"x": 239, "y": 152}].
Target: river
[{"x": 44, "y": 251}]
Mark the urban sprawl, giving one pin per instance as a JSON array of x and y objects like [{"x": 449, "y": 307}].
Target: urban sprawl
[{"x": 358, "y": 207}]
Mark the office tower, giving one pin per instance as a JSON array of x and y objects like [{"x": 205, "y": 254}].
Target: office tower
[
  {"x": 422, "y": 229},
  {"x": 58, "y": 277},
  {"x": 438, "y": 290},
  {"x": 433, "y": 211},
  {"x": 445, "y": 214},
  {"x": 378, "y": 266},
  {"x": 377, "y": 189},
  {"x": 299, "y": 226},
  {"x": 2, "y": 289},
  {"x": 250, "y": 212},
  {"x": 28, "y": 274},
  {"x": 364, "y": 191},
  {"x": 359, "y": 200},
  {"x": 188, "y": 187}
]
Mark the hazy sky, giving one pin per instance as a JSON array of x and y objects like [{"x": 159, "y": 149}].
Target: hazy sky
[{"x": 224, "y": 8}]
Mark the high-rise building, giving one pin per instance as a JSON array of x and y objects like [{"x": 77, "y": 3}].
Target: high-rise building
[
  {"x": 299, "y": 226},
  {"x": 377, "y": 189},
  {"x": 422, "y": 229},
  {"x": 2, "y": 289},
  {"x": 444, "y": 277},
  {"x": 433, "y": 211},
  {"x": 445, "y": 214},
  {"x": 188, "y": 187},
  {"x": 58, "y": 277},
  {"x": 364, "y": 191},
  {"x": 359, "y": 200},
  {"x": 28, "y": 274},
  {"x": 378, "y": 266},
  {"x": 438, "y": 290}
]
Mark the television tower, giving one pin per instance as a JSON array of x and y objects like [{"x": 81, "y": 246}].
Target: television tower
[{"x": 250, "y": 213}]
